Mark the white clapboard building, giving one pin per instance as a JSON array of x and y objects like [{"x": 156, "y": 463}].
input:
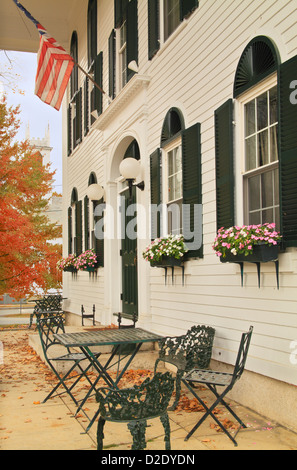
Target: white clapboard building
[{"x": 203, "y": 96}]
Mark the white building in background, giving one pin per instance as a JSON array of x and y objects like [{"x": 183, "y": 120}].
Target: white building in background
[{"x": 179, "y": 84}]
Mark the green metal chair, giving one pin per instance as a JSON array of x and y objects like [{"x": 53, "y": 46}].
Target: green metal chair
[
  {"x": 213, "y": 379},
  {"x": 186, "y": 352},
  {"x": 47, "y": 328},
  {"x": 135, "y": 406},
  {"x": 49, "y": 305}
]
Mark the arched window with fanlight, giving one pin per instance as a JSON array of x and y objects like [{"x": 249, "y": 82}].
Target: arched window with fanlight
[
  {"x": 175, "y": 170},
  {"x": 75, "y": 224},
  {"x": 256, "y": 143}
]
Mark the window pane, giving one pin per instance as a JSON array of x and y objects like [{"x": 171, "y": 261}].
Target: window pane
[
  {"x": 273, "y": 143},
  {"x": 254, "y": 193},
  {"x": 273, "y": 105},
  {"x": 255, "y": 218},
  {"x": 263, "y": 148},
  {"x": 171, "y": 16},
  {"x": 262, "y": 112},
  {"x": 267, "y": 189},
  {"x": 267, "y": 216},
  {"x": 250, "y": 153},
  {"x": 250, "y": 118}
]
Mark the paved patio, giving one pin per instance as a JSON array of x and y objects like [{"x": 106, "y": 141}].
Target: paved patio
[{"x": 27, "y": 424}]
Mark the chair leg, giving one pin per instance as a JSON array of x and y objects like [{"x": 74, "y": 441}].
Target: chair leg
[
  {"x": 137, "y": 430},
  {"x": 100, "y": 434},
  {"x": 166, "y": 425},
  {"x": 178, "y": 379}
]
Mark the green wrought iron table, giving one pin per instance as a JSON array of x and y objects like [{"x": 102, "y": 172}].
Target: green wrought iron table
[{"x": 86, "y": 340}]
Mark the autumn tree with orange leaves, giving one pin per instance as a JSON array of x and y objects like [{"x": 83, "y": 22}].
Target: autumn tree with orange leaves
[{"x": 28, "y": 253}]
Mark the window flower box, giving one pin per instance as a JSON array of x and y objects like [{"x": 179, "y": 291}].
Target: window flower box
[{"x": 248, "y": 244}]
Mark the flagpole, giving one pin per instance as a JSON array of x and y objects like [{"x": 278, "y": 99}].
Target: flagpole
[{"x": 89, "y": 77}]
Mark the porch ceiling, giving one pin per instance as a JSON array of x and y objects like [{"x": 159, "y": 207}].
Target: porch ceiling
[{"x": 18, "y": 33}]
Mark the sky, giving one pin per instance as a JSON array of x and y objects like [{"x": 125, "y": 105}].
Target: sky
[{"x": 32, "y": 110}]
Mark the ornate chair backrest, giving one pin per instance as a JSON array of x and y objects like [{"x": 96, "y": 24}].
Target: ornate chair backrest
[{"x": 149, "y": 399}]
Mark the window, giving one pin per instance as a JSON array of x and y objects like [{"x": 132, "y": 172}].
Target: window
[
  {"x": 173, "y": 187},
  {"x": 171, "y": 17},
  {"x": 261, "y": 178},
  {"x": 123, "y": 54},
  {"x": 176, "y": 187},
  {"x": 126, "y": 45},
  {"x": 164, "y": 16}
]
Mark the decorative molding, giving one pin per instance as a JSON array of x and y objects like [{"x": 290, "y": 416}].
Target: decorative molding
[{"x": 129, "y": 92}]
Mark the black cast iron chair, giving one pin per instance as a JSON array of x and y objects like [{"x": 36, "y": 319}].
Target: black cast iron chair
[
  {"x": 213, "y": 379},
  {"x": 47, "y": 328},
  {"x": 186, "y": 352},
  {"x": 135, "y": 406},
  {"x": 49, "y": 305}
]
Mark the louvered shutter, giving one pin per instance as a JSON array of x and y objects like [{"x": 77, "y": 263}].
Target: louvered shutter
[
  {"x": 86, "y": 106},
  {"x": 111, "y": 64},
  {"x": 87, "y": 223},
  {"x": 155, "y": 175},
  {"x": 132, "y": 35},
  {"x": 78, "y": 227},
  {"x": 187, "y": 7},
  {"x": 288, "y": 153},
  {"x": 153, "y": 28},
  {"x": 69, "y": 130},
  {"x": 224, "y": 165},
  {"x": 78, "y": 117},
  {"x": 69, "y": 230},
  {"x": 98, "y": 73},
  {"x": 99, "y": 242},
  {"x": 192, "y": 191}
]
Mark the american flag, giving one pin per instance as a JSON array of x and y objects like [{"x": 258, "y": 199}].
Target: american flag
[{"x": 54, "y": 66}]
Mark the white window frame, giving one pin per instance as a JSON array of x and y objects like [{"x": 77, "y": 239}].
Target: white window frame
[
  {"x": 240, "y": 172},
  {"x": 166, "y": 150},
  {"x": 162, "y": 24}
]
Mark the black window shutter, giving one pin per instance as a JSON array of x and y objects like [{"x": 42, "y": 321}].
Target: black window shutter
[
  {"x": 87, "y": 223},
  {"x": 86, "y": 106},
  {"x": 155, "y": 175},
  {"x": 192, "y": 191},
  {"x": 132, "y": 35},
  {"x": 78, "y": 227},
  {"x": 111, "y": 64},
  {"x": 69, "y": 130},
  {"x": 224, "y": 165},
  {"x": 119, "y": 12},
  {"x": 187, "y": 7},
  {"x": 98, "y": 75},
  {"x": 78, "y": 119},
  {"x": 288, "y": 153},
  {"x": 99, "y": 242},
  {"x": 69, "y": 230},
  {"x": 153, "y": 28}
]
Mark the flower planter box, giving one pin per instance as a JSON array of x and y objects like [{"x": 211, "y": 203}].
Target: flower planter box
[
  {"x": 169, "y": 262},
  {"x": 261, "y": 254},
  {"x": 166, "y": 262},
  {"x": 70, "y": 269}
]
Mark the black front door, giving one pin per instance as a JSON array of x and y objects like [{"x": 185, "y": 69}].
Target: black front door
[{"x": 129, "y": 258}]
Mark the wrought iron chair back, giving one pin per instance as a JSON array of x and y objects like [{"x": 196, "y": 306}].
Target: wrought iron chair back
[
  {"x": 135, "y": 406},
  {"x": 213, "y": 379},
  {"x": 186, "y": 352},
  {"x": 47, "y": 328}
]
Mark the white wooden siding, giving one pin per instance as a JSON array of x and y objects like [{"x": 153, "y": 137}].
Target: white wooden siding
[{"x": 195, "y": 71}]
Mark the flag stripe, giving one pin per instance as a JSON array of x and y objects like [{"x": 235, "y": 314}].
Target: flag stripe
[{"x": 54, "y": 66}]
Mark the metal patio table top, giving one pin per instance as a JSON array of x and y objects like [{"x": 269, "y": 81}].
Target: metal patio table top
[{"x": 107, "y": 337}]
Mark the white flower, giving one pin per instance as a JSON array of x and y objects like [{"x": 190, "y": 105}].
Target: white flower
[{"x": 233, "y": 251}]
